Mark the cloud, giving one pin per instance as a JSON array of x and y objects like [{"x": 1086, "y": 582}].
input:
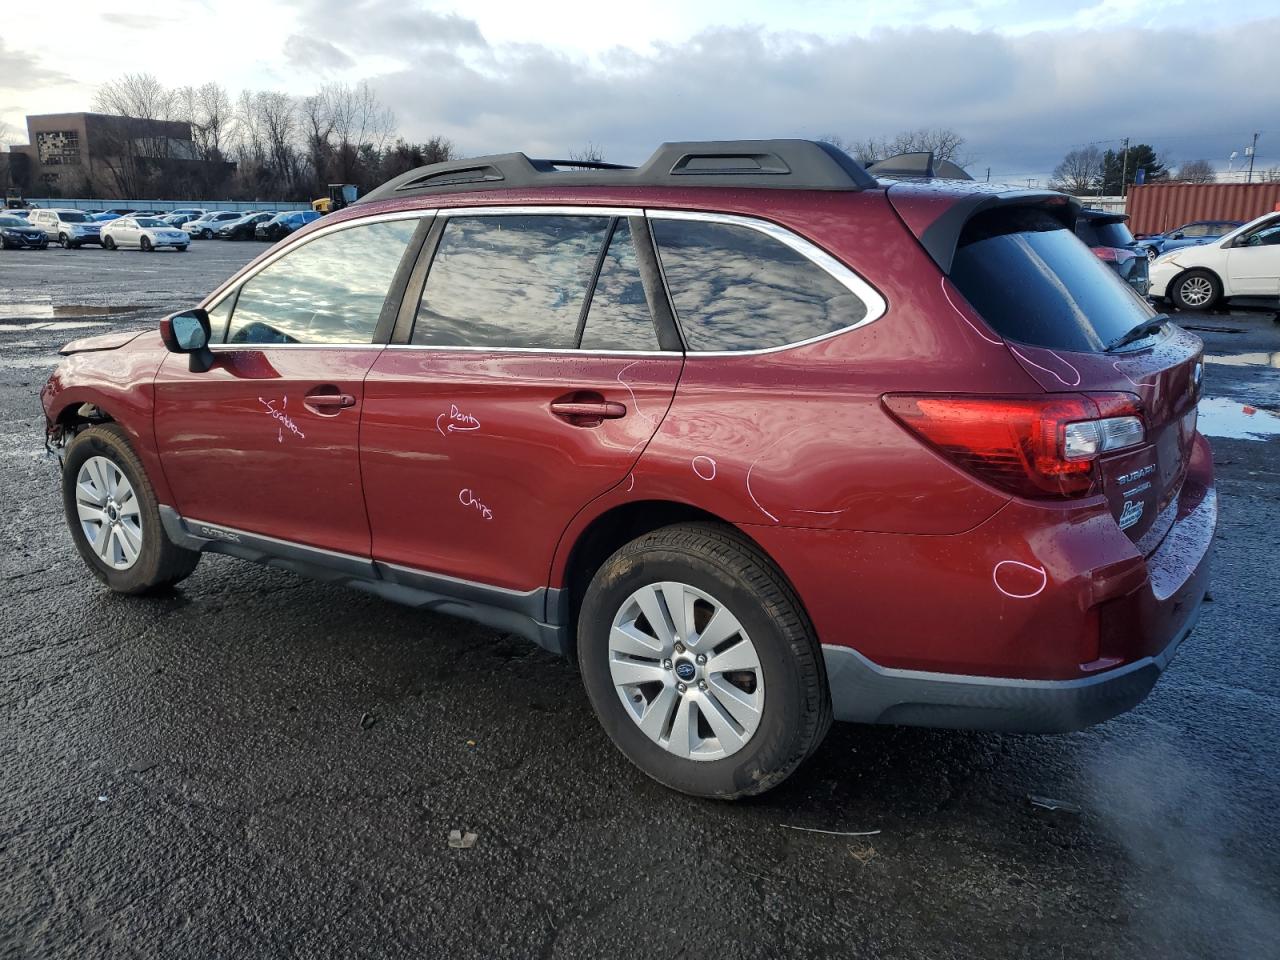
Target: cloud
[
  {"x": 311, "y": 53},
  {"x": 1021, "y": 101},
  {"x": 136, "y": 21},
  {"x": 22, "y": 71},
  {"x": 391, "y": 26}
]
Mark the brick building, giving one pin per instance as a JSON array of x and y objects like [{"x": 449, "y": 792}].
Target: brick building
[{"x": 99, "y": 155}]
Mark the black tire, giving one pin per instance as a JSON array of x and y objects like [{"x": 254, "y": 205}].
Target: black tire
[
  {"x": 181, "y": 248},
  {"x": 797, "y": 703},
  {"x": 108, "y": 243},
  {"x": 161, "y": 562},
  {"x": 146, "y": 245},
  {"x": 1191, "y": 284},
  {"x": 205, "y": 234},
  {"x": 63, "y": 241}
]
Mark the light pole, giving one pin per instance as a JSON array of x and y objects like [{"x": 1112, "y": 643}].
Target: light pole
[
  {"x": 1252, "y": 151},
  {"x": 1124, "y": 170}
]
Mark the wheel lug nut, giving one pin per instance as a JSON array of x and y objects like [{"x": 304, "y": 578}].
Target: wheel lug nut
[
  {"x": 702, "y": 684},
  {"x": 681, "y": 687},
  {"x": 702, "y": 659},
  {"x": 666, "y": 664},
  {"x": 679, "y": 648}
]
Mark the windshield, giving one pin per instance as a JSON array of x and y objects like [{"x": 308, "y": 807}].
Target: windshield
[
  {"x": 73, "y": 218},
  {"x": 1036, "y": 283},
  {"x": 1104, "y": 233},
  {"x": 148, "y": 222},
  {"x": 13, "y": 222}
]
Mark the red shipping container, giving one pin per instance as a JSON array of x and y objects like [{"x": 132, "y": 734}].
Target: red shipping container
[{"x": 1157, "y": 207}]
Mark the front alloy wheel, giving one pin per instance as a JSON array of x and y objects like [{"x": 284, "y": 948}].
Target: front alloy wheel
[
  {"x": 686, "y": 671},
  {"x": 109, "y": 512}
]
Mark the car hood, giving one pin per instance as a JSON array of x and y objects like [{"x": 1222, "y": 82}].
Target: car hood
[{"x": 103, "y": 341}]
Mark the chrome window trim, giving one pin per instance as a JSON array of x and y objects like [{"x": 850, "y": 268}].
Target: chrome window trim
[
  {"x": 214, "y": 300},
  {"x": 875, "y": 304},
  {"x": 870, "y": 297}
]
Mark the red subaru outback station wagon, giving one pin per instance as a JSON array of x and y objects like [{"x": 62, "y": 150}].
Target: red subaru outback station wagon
[{"x": 759, "y": 440}]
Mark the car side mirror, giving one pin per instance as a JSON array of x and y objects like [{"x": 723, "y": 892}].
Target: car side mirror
[{"x": 189, "y": 332}]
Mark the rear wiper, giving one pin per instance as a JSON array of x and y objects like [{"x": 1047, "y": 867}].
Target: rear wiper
[{"x": 1144, "y": 329}]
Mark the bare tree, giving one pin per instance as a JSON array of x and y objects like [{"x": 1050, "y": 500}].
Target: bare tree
[
  {"x": 591, "y": 153},
  {"x": 7, "y": 133},
  {"x": 1080, "y": 171},
  {"x": 1196, "y": 171},
  {"x": 139, "y": 95},
  {"x": 943, "y": 142}
]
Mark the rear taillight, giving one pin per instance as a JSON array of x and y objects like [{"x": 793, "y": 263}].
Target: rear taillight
[
  {"x": 1113, "y": 254},
  {"x": 1039, "y": 447}
]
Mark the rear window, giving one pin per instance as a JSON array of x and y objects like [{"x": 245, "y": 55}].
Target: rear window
[
  {"x": 1034, "y": 282},
  {"x": 1104, "y": 233}
]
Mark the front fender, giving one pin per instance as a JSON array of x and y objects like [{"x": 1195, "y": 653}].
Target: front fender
[{"x": 121, "y": 384}]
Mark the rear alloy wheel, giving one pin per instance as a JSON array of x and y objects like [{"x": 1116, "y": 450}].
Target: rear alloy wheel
[
  {"x": 1196, "y": 290},
  {"x": 700, "y": 663},
  {"x": 146, "y": 245},
  {"x": 114, "y": 516}
]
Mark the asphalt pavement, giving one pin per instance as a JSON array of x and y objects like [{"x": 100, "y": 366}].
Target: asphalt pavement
[{"x": 256, "y": 765}]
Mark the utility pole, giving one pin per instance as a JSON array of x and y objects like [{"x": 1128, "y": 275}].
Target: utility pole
[
  {"x": 1252, "y": 150},
  {"x": 988, "y": 174},
  {"x": 1124, "y": 172}
]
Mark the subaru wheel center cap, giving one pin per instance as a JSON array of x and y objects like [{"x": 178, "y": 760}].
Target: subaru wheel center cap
[{"x": 685, "y": 670}]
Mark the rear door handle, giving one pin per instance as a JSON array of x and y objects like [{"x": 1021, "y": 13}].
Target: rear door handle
[{"x": 599, "y": 409}]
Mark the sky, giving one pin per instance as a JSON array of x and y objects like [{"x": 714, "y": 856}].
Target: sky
[{"x": 1022, "y": 81}]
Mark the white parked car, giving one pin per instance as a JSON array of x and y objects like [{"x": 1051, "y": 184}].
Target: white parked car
[
  {"x": 1244, "y": 263},
  {"x": 145, "y": 233}
]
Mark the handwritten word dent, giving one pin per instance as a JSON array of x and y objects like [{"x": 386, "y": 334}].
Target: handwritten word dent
[
  {"x": 455, "y": 421},
  {"x": 468, "y": 499}
]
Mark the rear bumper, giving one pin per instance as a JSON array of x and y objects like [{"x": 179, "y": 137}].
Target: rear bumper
[{"x": 863, "y": 692}]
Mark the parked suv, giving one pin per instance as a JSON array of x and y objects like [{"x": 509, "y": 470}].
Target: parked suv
[
  {"x": 1108, "y": 236},
  {"x": 207, "y": 224},
  {"x": 757, "y": 439},
  {"x": 70, "y": 228}
]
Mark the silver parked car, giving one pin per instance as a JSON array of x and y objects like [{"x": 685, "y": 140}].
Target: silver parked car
[
  {"x": 70, "y": 228},
  {"x": 205, "y": 226}
]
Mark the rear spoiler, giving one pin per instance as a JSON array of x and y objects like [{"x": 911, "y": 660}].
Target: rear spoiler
[{"x": 941, "y": 236}]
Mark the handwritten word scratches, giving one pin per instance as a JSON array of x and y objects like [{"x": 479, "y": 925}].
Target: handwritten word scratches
[{"x": 285, "y": 421}]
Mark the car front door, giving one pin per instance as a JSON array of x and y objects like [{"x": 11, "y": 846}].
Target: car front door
[
  {"x": 266, "y": 440},
  {"x": 1253, "y": 262},
  {"x": 525, "y": 381}
]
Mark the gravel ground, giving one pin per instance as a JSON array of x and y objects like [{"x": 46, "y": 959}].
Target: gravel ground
[{"x": 258, "y": 765}]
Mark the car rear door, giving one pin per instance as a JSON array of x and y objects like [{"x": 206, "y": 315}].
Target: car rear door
[
  {"x": 525, "y": 381},
  {"x": 266, "y": 441},
  {"x": 1253, "y": 262}
]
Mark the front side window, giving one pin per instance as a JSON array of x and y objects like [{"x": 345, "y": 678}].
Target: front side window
[
  {"x": 329, "y": 290},
  {"x": 509, "y": 281},
  {"x": 1267, "y": 236},
  {"x": 735, "y": 288}
]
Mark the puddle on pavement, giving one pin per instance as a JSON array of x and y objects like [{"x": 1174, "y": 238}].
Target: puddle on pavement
[
  {"x": 1221, "y": 417},
  {"x": 45, "y": 310},
  {"x": 56, "y": 325},
  {"x": 1246, "y": 360}
]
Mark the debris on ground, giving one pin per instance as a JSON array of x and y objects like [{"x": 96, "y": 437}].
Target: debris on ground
[
  {"x": 1049, "y": 803},
  {"x": 367, "y": 720},
  {"x": 833, "y": 833},
  {"x": 471, "y": 743},
  {"x": 864, "y": 854},
  {"x": 461, "y": 841},
  {"x": 102, "y": 798}
]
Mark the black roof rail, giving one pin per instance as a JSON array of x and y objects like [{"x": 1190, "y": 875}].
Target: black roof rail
[
  {"x": 917, "y": 165},
  {"x": 774, "y": 164}
]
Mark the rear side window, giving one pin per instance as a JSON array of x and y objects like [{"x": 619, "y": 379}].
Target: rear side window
[
  {"x": 509, "y": 281},
  {"x": 328, "y": 290},
  {"x": 1034, "y": 282},
  {"x": 619, "y": 316},
  {"x": 735, "y": 288}
]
